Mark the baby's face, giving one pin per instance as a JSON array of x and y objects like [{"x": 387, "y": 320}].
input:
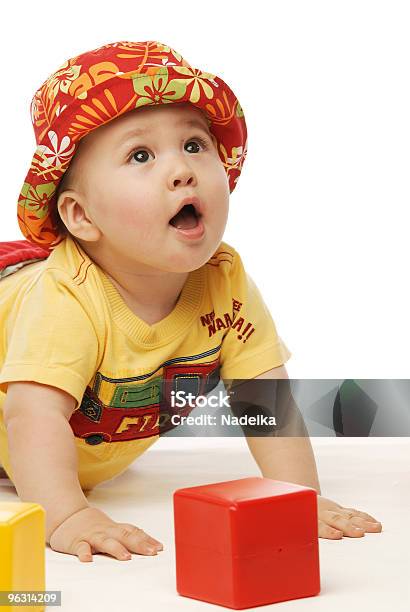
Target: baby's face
[{"x": 133, "y": 184}]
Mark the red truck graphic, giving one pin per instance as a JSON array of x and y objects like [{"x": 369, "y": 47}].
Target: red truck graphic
[{"x": 140, "y": 408}]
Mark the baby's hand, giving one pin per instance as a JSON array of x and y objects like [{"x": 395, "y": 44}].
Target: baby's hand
[
  {"x": 90, "y": 531},
  {"x": 336, "y": 521}
]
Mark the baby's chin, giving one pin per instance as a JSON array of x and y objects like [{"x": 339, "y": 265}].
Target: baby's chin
[
  {"x": 182, "y": 267},
  {"x": 186, "y": 258}
]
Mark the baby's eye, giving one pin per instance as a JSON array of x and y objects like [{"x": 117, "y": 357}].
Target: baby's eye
[
  {"x": 141, "y": 155},
  {"x": 201, "y": 141}
]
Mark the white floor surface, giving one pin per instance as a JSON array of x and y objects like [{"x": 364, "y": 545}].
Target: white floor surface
[{"x": 370, "y": 573}]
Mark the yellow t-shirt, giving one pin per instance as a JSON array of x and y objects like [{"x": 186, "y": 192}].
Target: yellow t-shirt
[{"x": 63, "y": 323}]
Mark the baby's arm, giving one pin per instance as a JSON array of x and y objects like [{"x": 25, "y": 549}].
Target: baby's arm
[
  {"x": 43, "y": 456},
  {"x": 44, "y": 464},
  {"x": 289, "y": 456}
]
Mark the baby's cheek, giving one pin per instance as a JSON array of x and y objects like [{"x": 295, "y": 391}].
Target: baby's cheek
[
  {"x": 130, "y": 209},
  {"x": 218, "y": 182},
  {"x": 140, "y": 218}
]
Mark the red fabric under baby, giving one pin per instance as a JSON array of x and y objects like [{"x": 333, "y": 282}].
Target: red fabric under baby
[{"x": 17, "y": 251}]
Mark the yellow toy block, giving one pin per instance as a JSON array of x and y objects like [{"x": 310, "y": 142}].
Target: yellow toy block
[{"x": 22, "y": 550}]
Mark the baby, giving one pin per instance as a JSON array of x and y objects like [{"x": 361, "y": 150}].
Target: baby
[{"x": 127, "y": 291}]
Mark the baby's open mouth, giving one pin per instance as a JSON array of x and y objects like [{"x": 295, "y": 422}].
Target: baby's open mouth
[{"x": 187, "y": 218}]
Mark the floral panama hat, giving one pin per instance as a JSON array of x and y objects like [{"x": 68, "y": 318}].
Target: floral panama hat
[{"x": 93, "y": 88}]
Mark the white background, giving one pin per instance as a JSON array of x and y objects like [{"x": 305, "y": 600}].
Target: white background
[{"x": 320, "y": 212}]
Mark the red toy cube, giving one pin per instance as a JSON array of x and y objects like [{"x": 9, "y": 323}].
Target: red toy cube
[{"x": 247, "y": 542}]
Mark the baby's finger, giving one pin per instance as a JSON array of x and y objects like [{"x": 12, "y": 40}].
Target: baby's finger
[
  {"x": 369, "y": 526},
  {"x": 135, "y": 539},
  {"x": 106, "y": 544},
  {"x": 363, "y": 515},
  {"x": 325, "y": 531},
  {"x": 338, "y": 521},
  {"x": 156, "y": 543},
  {"x": 83, "y": 551}
]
